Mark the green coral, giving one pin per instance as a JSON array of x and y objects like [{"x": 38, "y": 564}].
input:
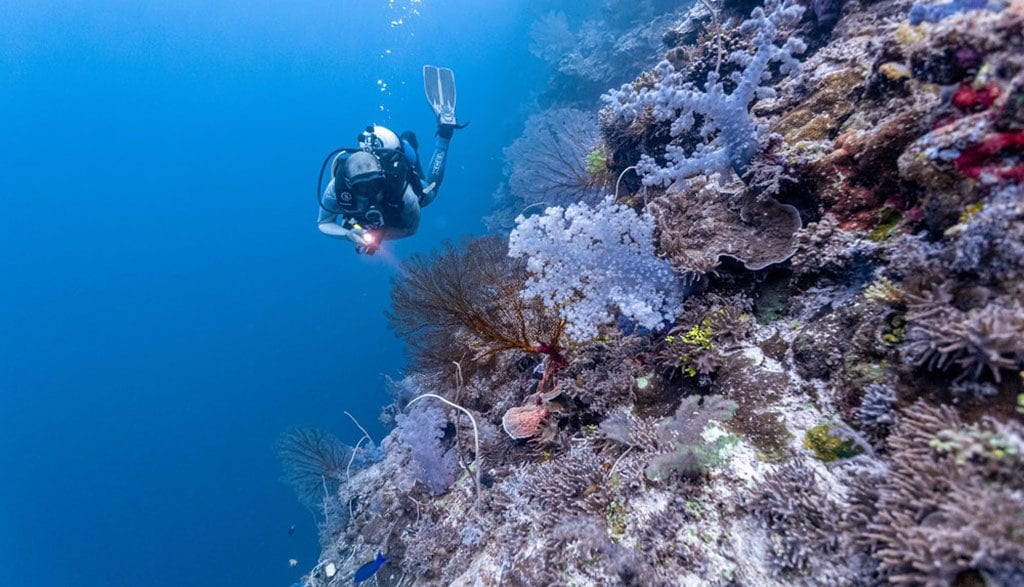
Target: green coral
[
  {"x": 888, "y": 223},
  {"x": 975, "y": 444},
  {"x": 859, "y": 374},
  {"x": 615, "y": 517},
  {"x": 699, "y": 336},
  {"x": 895, "y": 330},
  {"x": 597, "y": 161},
  {"x": 970, "y": 211},
  {"x": 828, "y": 448}
]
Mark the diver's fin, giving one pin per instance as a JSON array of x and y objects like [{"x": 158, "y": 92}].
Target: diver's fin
[{"x": 439, "y": 85}]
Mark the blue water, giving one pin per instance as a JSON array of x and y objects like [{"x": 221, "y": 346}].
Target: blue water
[{"x": 167, "y": 307}]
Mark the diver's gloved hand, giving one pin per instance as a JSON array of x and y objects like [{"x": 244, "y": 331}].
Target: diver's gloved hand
[
  {"x": 367, "y": 250},
  {"x": 446, "y": 130},
  {"x": 446, "y": 125}
]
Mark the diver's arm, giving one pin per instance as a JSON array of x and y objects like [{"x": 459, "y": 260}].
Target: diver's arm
[
  {"x": 327, "y": 221},
  {"x": 435, "y": 171},
  {"x": 334, "y": 230}
]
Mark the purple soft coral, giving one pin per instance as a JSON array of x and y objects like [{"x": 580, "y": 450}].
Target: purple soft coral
[
  {"x": 920, "y": 13},
  {"x": 731, "y": 136}
]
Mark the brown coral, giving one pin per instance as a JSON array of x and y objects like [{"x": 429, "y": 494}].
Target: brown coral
[
  {"x": 464, "y": 303},
  {"x": 987, "y": 340},
  {"x": 697, "y": 229},
  {"x": 932, "y": 517}
]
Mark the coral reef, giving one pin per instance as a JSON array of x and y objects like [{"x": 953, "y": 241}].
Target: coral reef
[{"x": 768, "y": 328}]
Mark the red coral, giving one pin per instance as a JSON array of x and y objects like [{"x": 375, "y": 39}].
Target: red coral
[
  {"x": 996, "y": 157},
  {"x": 971, "y": 99},
  {"x": 555, "y": 363}
]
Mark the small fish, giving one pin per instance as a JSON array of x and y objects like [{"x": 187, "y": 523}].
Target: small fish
[
  {"x": 291, "y": 530},
  {"x": 370, "y": 569}
]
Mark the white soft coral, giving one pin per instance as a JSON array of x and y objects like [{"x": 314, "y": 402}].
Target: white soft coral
[{"x": 589, "y": 263}]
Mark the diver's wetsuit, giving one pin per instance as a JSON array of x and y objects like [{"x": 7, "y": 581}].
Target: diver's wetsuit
[{"x": 401, "y": 220}]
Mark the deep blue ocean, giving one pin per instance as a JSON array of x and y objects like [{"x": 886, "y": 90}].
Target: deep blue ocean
[{"x": 167, "y": 305}]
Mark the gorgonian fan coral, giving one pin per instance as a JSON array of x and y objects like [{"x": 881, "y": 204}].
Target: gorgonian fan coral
[
  {"x": 548, "y": 163},
  {"x": 464, "y": 304}
]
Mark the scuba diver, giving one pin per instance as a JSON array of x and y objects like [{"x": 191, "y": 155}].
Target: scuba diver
[{"x": 378, "y": 188}]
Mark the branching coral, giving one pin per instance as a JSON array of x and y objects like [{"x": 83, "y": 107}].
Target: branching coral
[
  {"x": 578, "y": 481},
  {"x": 963, "y": 300},
  {"x": 704, "y": 337},
  {"x": 978, "y": 342},
  {"x": 690, "y": 350},
  {"x": 949, "y": 502},
  {"x": 730, "y": 136},
  {"x": 800, "y": 519},
  {"x": 875, "y": 413},
  {"x": 589, "y": 263}
]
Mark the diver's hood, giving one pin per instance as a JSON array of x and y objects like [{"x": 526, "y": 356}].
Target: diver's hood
[
  {"x": 360, "y": 167},
  {"x": 362, "y": 183}
]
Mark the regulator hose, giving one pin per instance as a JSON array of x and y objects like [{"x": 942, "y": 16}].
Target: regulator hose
[{"x": 320, "y": 180}]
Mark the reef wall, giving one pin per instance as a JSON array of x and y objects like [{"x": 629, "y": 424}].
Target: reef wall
[{"x": 756, "y": 317}]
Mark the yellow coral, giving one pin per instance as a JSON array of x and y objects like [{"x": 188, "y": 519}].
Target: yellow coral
[
  {"x": 906, "y": 34},
  {"x": 894, "y": 71},
  {"x": 970, "y": 211},
  {"x": 699, "y": 336}
]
